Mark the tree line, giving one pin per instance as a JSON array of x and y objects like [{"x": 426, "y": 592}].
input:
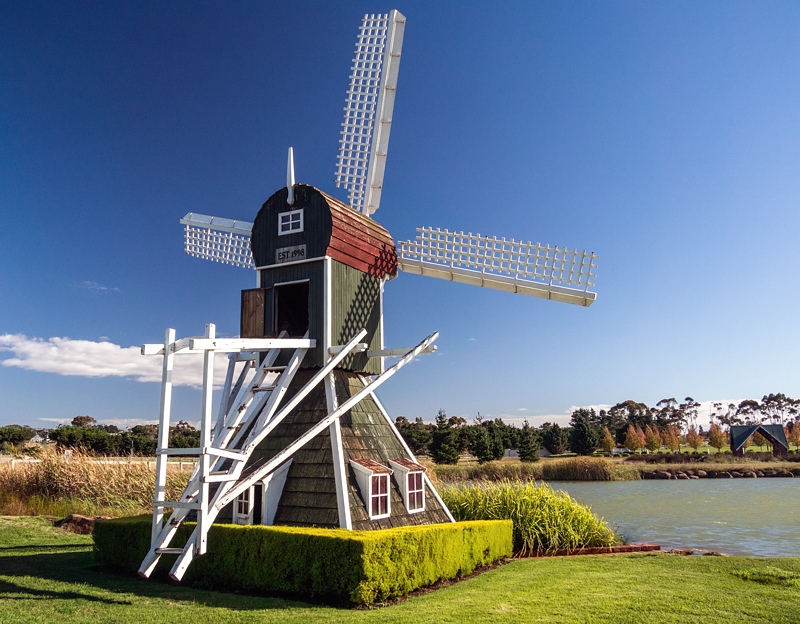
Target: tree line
[
  {"x": 629, "y": 424},
  {"x": 86, "y": 434}
]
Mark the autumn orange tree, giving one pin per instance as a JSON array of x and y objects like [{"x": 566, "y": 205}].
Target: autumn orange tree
[
  {"x": 607, "y": 443},
  {"x": 671, "y": 437},
  {"x": 652, "y": 440},
  {"x": 632, "y": 440},
  {"x": 793, "y": 436},
  {"x": 693, "y": 438},
  {"x": 717, "y": 437}
]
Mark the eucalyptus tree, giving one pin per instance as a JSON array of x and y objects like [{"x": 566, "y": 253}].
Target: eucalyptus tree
[
  {"x": 749, "y": 411},
  {"x": 584, "y": 436}
]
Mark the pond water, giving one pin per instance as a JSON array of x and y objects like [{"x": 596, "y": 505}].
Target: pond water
[{"x": 758, "y": 517}]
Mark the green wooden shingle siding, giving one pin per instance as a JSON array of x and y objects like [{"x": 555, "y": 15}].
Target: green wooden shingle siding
[{"x": 356, "y": 304}]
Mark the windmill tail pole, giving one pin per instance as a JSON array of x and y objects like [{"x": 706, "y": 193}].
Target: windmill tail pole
[{"x": 290, "y": 177}]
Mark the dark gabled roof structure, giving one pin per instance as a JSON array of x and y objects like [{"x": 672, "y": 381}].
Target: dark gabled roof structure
[
  {"x": 309, "y": 495},
  {"x": 774, "y": 434}
]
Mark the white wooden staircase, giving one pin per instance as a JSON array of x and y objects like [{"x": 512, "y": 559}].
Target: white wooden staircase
[{"x": 251, "y": 408}]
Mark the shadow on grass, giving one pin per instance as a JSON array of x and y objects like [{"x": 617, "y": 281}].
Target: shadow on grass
[
  {"x": 100, "y": 584},
  {"x": 41, "y": 547},
  {"x": 13, "y": 591}
]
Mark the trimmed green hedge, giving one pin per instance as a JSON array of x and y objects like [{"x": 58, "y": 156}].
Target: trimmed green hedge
[{"x": 359, "y": 567}]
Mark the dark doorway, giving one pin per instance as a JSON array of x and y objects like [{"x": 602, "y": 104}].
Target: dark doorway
[
  {"x": 291, "y": 309},
  {"x": 258, "y": 496}
]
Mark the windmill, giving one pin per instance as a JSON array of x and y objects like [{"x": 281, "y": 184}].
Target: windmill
[{"x": 300, "y": 437}]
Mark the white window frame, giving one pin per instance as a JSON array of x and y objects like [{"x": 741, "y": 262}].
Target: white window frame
[
  {"x": 412, "y": 491},
  {"x": 403, "y": 475},
  {"x": 288, "y": 218},
  {"x": 364, "y": 478},
  {"x": 376, "y": 496},
  {"x": 243, "y": 507}
]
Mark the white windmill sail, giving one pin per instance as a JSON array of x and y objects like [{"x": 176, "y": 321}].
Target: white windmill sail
[
  {"x": 537, "y": 270},
  {"x": 370, "y": 97},
  {"x": 218, "y": 239}
]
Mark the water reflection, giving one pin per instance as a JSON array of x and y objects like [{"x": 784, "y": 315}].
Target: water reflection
[{"x": 758, "y": 517}]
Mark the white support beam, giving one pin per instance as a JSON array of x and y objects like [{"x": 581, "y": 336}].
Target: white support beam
[
  {"x": 230, "y": 345},
  {"x": 204, "y": 462},
  {"x": 397, "y": 352},
  {"x": 250, "y": 344},
  {"x": 359, "y": 348},
  {"x": 163, "y": 433},
  {"x": 337, "y": 450}
]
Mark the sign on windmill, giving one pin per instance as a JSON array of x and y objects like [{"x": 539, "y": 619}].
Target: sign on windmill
[{"x": 300, "y": 437}]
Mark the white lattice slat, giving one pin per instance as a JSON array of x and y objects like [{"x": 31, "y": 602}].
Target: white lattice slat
[{"x": 506, "y": 264}]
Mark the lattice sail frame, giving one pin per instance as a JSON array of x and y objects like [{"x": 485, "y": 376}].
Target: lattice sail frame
[
  {"x": 370, "y": 96},
  {"x": 218, "y": 239},
  {"x": 526, "y": 268}
]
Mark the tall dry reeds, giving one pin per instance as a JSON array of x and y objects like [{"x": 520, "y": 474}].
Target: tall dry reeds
[
  {"x": 58, "y": 485},
  {"x": 569, "y": 469},
  {"x": 544, "y": 520},
  {"x": 588, "y": 469}
]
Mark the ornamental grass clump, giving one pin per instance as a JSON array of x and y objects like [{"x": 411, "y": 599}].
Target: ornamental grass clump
[{"x": 544, "y": 520}]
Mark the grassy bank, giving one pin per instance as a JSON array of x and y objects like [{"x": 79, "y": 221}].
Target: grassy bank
[
  {"x": 593, "y": 469},
  {"x": 49, "y": 576}
]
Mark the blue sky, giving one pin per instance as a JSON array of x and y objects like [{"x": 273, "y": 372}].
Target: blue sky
[{"x": 665, "y": 137}]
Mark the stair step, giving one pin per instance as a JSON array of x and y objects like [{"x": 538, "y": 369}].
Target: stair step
[
  {"x": 169, "y": 551},
  {"x": 264, "y": 389},
  {"x": 176, "y": 504}
]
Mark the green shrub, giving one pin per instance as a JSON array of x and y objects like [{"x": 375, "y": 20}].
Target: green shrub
[
  {"x": 360, "y": 567},
  {"x": 544, "y": 520}
]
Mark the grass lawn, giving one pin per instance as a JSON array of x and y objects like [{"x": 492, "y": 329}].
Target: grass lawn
[{"x": 49, "y": 576}]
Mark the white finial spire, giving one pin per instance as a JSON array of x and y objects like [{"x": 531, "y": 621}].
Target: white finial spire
[{"x": 290, "y": 178}]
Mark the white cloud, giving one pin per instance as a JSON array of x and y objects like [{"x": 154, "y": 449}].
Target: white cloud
[
  {"x": 94, "y": 286},
  {"x": 85, "y": 358}
]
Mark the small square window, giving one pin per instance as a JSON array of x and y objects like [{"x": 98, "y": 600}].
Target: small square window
[{"x": 290, "y": 222}]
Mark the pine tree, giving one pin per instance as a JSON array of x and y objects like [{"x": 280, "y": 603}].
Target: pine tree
[
  {"x": 481, "y": 447},
  {"x": 444, "y": 442},
  {"x": 584, "y": 436},
  {"x": 554, "y": 438},
  {"x": 528, "y": 444}
]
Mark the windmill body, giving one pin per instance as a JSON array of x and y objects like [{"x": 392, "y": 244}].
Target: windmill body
[{"x": 300, "y": 438}]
